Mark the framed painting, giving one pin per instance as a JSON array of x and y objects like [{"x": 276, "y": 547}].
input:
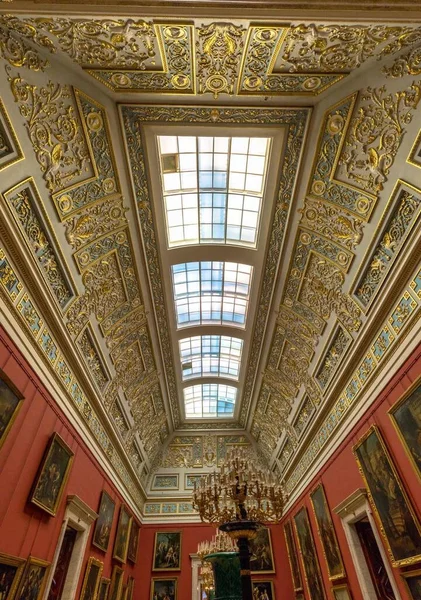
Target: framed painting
[
  {"x": 130, "y": 588},
  {"x": 413, "y": 584},
  {"x": 92, "y": 579},
  {"x": 163, "y": 589},
  {"x": 167, "y": 551},
  {"x": 124, "y": 592},
  {"x": 308, "y": 555},
  {"x": 406, "y": 417},
  {"x": 52, "y": 475},
  {"x": 104, "y": 586},
  {"x": 293, "y": 557},
  {"x": 261, "y": 555},
  {"x": 263, "y": 590},
  {"x": 11, "y": 569},
  {"x": 121, "y": 542},
  {"x": 327, "y": 534},
  {"x": 104, "y": 522},
  {"x": 133, "y": 542},
  {"x": 341, "y": 592},
  {"x": 10, "y": 403},
  {"x": 300, "y": 597},
  {"x": 33, "y": 580},
  {"x": 399, "y": 525},
  {"x": 116, "y": 585},
  {"x": 10, "y": 150}
]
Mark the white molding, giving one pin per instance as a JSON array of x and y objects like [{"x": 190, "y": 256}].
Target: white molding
[
  {"x": 78, "y": 516},
  {"x": 353, "y": 509}
]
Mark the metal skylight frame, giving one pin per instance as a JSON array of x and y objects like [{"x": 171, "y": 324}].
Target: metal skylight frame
[
  {"x": 209, "y": 400},
  {"x": 211, "y": 292},
  {"x": 210, "y": 356},
  {"x": 213, "y": 188}
]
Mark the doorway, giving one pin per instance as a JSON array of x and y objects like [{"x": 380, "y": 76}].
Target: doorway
[{"x": 62, "y": 565}]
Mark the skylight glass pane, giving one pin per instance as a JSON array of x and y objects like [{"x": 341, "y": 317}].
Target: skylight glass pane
[
  {"x": 211, "y": 400},
  {"x": 210, "y": 356},
  {"x": 202, "y": 177},
  {"x": 211, "y": 292}
]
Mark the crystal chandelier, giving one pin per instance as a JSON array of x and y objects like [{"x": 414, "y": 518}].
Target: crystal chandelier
[
  {"x": 239, "y": 491},
  {"x": 220, "y": 542}
]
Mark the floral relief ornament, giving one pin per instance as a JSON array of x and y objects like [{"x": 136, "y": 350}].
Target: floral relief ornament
[{"x": 375, "y": 134}]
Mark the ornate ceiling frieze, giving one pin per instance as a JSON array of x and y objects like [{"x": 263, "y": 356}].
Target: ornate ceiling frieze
[
  {"x": 341, "y": 197},
  {"x": 135, "y": 117},
  {"x": 196, "y": 58}
]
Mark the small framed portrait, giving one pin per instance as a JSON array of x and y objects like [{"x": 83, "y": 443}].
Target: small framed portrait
[
  {"x": 263, "y": 590},
  {"x": 293, "y": 556},
  {"x": 130, "y": 588},
  {"x": 116, "y": 585},
  {"x": 261, "y": 555},
  {"x": 104, "y": 586},
  {"x": 11, "y": 569},
  {"x": 167, "y": 551},
  {"x": 413, "y": 583},
  {"x": 327, "y": 534},
  {"x": 92, "y": 579},
  {"x": 133, "y": 542},
  {"x": 52, "y": 475},
  {"x": 399, "y": 524},
  {"x": 164, "y": 589},
  {"x": 33, "y": 580},
  {"x": 104, "y": 522},
  {"x": 406, "y": 417},
  {"x": 10, "y": 150},
  {"x": 341, "y": 592},
  {"x": 121, "y": 542},
  {"x": 10, "y": 403}
]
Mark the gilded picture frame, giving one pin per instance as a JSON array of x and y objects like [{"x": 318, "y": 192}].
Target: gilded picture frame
[
  {"x": 263, "y": 589},
  {"x": 52, "y": 475},
  {"x": 341, "y": 592},
  {"x": 92, "y": 579},
  {"x": 116, "y": 585},
  {"x": 11, "y": 569},
  {"x": 104, "y": 586},
  {"x": 413, "y": 583},
  {"x": 164, "y": 588},
  {"x": 33, "y": 580},
  {"x": 327, "y": 534},
  {"x": 167, "y": 551},
  {"x": 261, "y": 553},
  {"x": 293, "y": 557},
  {"x": 10, "y": 403},
  {"x": 404, "y": 415},
  {"x": 121, "y": 542},
  {"x": 130, "y": 588},
  {"x": 10, "y": 149},
  {"x": 133, "y": 542},
  {"x": 393, "y": 512},
  {"x": 104, "y": 523},
  {"x": 309, "y": 558}
]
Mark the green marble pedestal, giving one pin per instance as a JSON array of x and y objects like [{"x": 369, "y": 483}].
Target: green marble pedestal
[{"x": 226, "y": 571}]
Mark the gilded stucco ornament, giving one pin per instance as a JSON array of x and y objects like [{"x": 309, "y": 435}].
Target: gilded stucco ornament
[
  {"x": 59, "y": 144},
  {"x": 375, "y": 134},
  {"x": 406, "y": 64},
  {"x": 16, "y": 50},
  {"x": 219, "y": 48}
]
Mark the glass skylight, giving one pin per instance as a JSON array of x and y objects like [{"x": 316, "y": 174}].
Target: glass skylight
[
  {"x": 213, "y": 188},
  {"x": 210, "y": 355},
  {"x": 211, "y": 292},
  {"x": 209, "y": 400}
]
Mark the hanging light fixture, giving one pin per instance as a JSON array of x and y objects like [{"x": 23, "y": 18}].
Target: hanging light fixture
[{"x": 240, "y": 497}]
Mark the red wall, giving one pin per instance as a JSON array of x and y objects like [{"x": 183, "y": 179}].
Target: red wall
[
  {"x": 24, "y": 528},
  {"x": 340, "y": 476}
]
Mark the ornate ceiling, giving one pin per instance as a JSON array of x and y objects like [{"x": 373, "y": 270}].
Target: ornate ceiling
[{"x": 84, "y": 264}]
